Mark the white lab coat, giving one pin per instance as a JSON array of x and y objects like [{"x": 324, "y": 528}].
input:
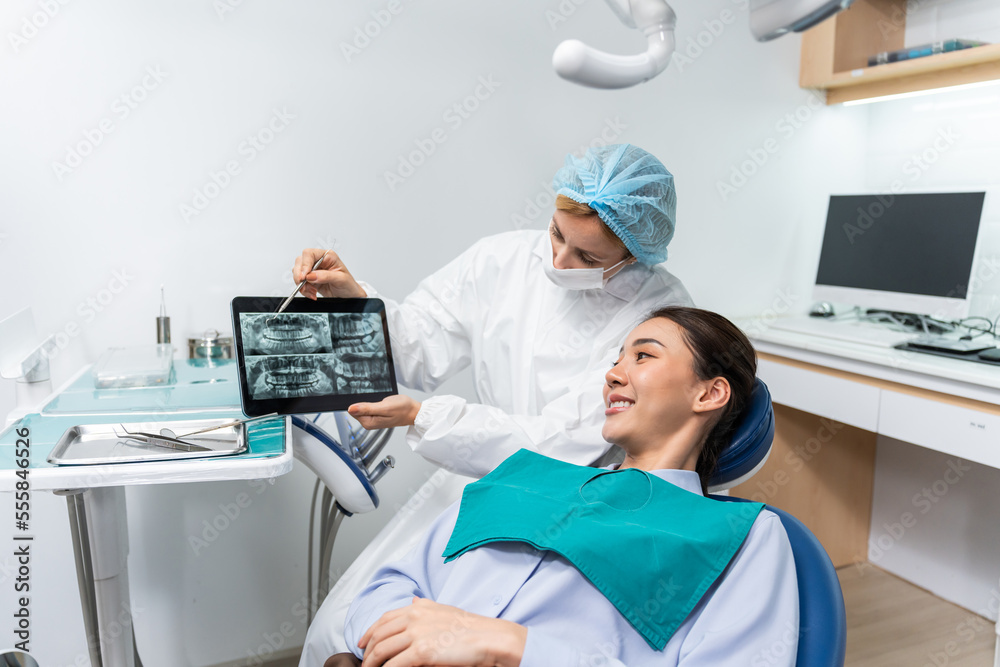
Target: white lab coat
[{"x": 538, "y": 354}]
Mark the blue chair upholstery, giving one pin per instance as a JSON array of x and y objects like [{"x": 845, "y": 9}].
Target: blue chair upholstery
[
  {"x": 822, "y": 617},
  {"x": 750, "y": 445}
]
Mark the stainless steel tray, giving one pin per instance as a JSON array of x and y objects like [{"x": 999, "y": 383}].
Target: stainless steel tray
[{"x": 92, "y": 444}]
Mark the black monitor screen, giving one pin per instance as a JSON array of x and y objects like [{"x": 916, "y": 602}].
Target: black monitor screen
[{"x": 909, "y": 243}]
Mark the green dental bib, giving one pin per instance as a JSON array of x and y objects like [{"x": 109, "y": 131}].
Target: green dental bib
[{"x": 651, "y": 548}]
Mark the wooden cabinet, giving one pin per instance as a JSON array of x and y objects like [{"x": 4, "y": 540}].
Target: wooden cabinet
[{"x": 835, "y": 56}]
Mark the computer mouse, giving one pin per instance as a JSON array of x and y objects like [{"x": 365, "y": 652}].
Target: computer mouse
[
  {"x": 992, "y": 354},
  {"x": 822, "y": 309}
]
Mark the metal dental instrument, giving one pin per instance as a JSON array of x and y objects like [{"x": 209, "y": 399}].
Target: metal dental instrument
[
  {"x": 284, "y": 304},
  {"x": 167, "y": 433},
  {"x": 162, "y": 322},
  {"x": 164, "y": 441}
]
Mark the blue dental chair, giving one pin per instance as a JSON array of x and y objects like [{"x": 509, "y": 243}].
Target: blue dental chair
[{"x": 822, "y": 618}]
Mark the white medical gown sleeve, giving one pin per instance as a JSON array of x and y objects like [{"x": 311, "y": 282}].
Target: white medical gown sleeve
[
  {"x": 419, "y": 573},
  {"x": 472, "y": 439},
  {"x": 430, "y": 341}
]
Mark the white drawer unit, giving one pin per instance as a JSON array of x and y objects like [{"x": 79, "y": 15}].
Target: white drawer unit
[
  {"x": 961, "y": 431},
  {"x": 835, "y": 398}
]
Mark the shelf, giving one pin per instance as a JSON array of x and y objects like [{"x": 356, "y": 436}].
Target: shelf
[{"x": 835, "y": 57}]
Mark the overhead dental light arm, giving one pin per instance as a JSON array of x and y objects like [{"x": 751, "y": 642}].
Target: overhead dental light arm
[
  {"x": 773, "y": 18},
  {"x": 575, "y": 61}
]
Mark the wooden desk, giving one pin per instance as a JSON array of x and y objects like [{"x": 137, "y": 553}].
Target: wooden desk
[{"x": 833, "y": 399}]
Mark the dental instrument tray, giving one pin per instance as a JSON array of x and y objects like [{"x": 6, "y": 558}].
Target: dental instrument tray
[
  {"x": 315, "y": 356},
  {"x": 131, "y": 442}
]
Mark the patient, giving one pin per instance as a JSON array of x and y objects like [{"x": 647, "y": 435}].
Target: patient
[{"x": 546, "y": 563}]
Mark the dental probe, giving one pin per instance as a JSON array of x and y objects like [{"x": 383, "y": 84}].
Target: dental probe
[{"x": 284, "y": 304}]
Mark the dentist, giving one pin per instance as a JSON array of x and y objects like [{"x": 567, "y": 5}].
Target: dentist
[{"x": 538, "y": 316}]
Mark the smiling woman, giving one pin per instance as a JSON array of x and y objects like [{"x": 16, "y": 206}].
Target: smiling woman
[
  {"x": 677, "y": 354},
  {"x": 520, "y": 571}
]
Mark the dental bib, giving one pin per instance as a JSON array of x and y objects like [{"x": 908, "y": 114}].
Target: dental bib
[{"x": 651, "y": 548}]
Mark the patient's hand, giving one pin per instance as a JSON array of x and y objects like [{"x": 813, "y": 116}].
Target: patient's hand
[{"x": 427, "y": 633}]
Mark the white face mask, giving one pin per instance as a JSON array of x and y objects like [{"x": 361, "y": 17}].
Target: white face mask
[{"x": 579, "y": 279}]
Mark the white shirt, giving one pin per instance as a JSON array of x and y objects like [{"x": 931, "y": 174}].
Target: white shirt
[{"x": 749, "y": 617}]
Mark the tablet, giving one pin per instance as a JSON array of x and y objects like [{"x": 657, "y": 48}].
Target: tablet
[{"x": 316, "y": 356}]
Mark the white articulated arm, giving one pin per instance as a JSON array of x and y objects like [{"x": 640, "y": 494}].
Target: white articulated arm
[{"x": 575, "y": 61}]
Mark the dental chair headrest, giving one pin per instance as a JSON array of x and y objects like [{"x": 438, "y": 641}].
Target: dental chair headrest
[{"x": 751, "y": 443}]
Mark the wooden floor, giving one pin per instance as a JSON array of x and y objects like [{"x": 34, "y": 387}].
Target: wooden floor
[{"x": 892, "y": 622}]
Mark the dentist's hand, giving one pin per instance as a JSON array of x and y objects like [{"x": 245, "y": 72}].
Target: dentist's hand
[
  {"x": 331, "y": 279},
  {"x": 392, "y": 411},
  {"x": 428, "y": 633}
]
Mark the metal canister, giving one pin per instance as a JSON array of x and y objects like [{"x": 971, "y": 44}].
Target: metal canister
[{"x": 210, "y": 346}]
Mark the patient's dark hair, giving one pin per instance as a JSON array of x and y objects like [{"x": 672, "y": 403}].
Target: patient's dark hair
[{"x": 719, "y": 349}]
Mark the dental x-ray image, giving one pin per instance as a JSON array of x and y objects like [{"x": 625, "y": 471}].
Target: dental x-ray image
[
  {"x": 293, "y": 355},
  {"x": 359, "y": 346},
  {"x": 290, "y": 376},
  {"x": 285, "y": 333}
]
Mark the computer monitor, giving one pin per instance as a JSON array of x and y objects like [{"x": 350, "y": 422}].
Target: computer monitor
[{"x": 909, "y": 252}]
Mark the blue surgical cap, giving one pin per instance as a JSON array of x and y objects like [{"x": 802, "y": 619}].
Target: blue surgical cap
[{"x": 632, "y": 192}]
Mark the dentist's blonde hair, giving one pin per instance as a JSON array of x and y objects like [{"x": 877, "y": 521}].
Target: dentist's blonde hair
[{"x": 573, "y": 207}]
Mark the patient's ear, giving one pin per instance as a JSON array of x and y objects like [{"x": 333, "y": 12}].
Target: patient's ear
[{"x": 714, "y": 395}]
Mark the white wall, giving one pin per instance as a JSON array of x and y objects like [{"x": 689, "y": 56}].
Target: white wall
[
  {"x": 952, "y": 548},
  {"x": 937, "y": 20},
  {"x": 321, "y": 182}
]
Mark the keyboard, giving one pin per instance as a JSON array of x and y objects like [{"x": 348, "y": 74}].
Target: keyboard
[
  {"x": 952, "y": 344},
  {"x": 852, "y": 331}
]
